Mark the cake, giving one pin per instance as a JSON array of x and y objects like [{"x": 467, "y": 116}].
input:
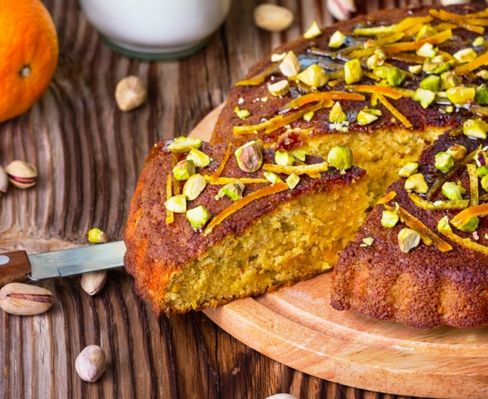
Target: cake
[
  {"x": 395, "y": 87},
  {"x": 274, "y": 238}
]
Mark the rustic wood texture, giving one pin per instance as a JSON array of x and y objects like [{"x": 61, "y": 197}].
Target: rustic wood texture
[{"x": 89, "y": 155}]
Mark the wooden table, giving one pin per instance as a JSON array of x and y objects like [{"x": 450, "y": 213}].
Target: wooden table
[{"x": 89, "y": 155}]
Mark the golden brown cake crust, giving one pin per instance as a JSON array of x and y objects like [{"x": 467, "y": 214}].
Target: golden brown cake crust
[
  {"x": 422, "y": 288},
  {"x": 420, "y": 118}
]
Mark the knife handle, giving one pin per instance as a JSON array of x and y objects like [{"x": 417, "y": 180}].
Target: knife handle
[{"x": 14, "y": 266}]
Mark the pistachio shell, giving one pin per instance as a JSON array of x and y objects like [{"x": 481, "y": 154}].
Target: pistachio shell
[
  {"x": 25, "y": 299},
  {"x": 272, "y": 17},
  {"x": 21, "y": 174},
  {"x": 90, "y": 363},
  {"x": 93, "y": 282},
  {"x": 3, "y": 181},
  {"x": 130, "y": 93}
]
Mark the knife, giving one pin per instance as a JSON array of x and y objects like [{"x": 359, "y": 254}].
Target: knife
[{"x": 19, "y": 266}]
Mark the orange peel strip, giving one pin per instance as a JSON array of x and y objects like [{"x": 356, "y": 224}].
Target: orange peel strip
[
  {"x": 387, "y": 198},
  {"x": 225, "y": 159},
  {"x": 460, "y": 20},
  {"x": 427, "y": 235},
  {"x": 323, "y": 96},
  {"x": 437, "y": 205},
  {"x": 298, "y": 170},
  {"x": 473, "y": 185},
  {"x": 463, "y": 242},
  {"x": 221, "y": 181},
  {"x": 262, "y": 192},
  {"x": 397, "y": 114},
  {"x": 170, "y": 217},
  {"x": 258, "y": 78},
  {"x": 472, "y": 65},
  {"x": 383, "y": 90},
  {"x": 410, "y": 46},
  {"x": 463, "y": 217}
]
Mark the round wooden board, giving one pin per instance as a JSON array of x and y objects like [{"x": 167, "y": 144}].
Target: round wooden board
[{"x": 298, "y": 327}]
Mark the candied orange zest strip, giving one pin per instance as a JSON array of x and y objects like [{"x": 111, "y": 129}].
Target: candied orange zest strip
[
  {"x": 397, "y": 114},
  {"x": 262, "y": 192},
  {"x": 278, "y": 121},
  {"x": 403, "y": 25},
  {"x": 387, "y": 198},
  {"x": 427, "y": 235},
  {"x": 258, "y": 78},
  {"x": 383, "y": 90},
  {"x": 415, "y": 45},
  {"x": 408, "y": 58},
  {"x": 410, "y": 22},
  {"x": 460, "y": 20},
  {"x": 463, "y": 242},
  {"x": 372, "y": 76},
  {"x": 170, "y": 217},
  {"x": 473, "y": 185},
  {"x": 298, "y": 170},
  {"x": 225, "y": 159},
  {"x": 437, "y": 205},
  {"x": 221, "y": 181},
  {"x": 323, "y": 96},
  {"x": 463, "y": 217},
  {"x": 472, "y": 65}
]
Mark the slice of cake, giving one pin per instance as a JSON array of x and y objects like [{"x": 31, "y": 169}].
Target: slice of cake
[
  {"x": 386, "y": 85},
  {"x": 428, "y": 262},
  {"x": 209, "y": 224}
]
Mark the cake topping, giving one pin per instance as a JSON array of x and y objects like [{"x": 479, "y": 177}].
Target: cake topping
[
  {"x": 452, "y": 191},
  {"x": 194, "y": 186},
  {"x": 184, "y": 144},
  {"x": 290, "y": 66},
  {"x": 279, "y": 88},
  {"x": 199, "y": 158},
  {"x": 444, "y": 161},
  {"x": 176, "y": 204},
  {"x": 232, "y": 191},
  {"x": 184, "y": 169},
  {"x": 313, "y": 31},
  {"x": 340, "y": 157},
  {"x": 408, "y": 169},
  {"x": 198, "y": 217},
  {"x": 337, "y": 39},
  {"x": 408, "y": 239},
  {"x": 292, "y": 181},
  {"x": 417, "y": 183},
  {"x": 250, "y": 156},
  {"x": 389, "y": 219}
]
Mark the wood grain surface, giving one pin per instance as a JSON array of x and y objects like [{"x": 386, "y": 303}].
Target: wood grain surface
[{"x": 89, "y": 155}]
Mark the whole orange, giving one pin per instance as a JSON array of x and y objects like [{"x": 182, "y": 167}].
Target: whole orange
[{"x": 28, "y": 54}]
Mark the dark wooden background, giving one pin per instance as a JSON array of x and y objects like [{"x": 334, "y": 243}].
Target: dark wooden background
[{"x": 89, "y": 155}]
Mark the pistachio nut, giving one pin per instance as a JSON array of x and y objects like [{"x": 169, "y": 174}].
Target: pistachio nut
[
  {"x": 424, "y": 97},
  {"x": 184, "y": 169},
  {"x": 290, "y": 66},
  {"x": 475, "y": 128},
  {"x": 365, "y": 117},
  {"x": 427, "y": 50},
  {"x": 389, "y": 219},
  {"x": 93, "y": 282},
  {"x": 342, "y": 9},
  {"x": 90, "y": 363},
  {"x": 176, "y": 204},
  {"x": 232, "y": 190},
  {"x": 25, "y": 299},
  {"x": 352, "y": 71},
  {"x": 242, "y": 113},
  {"x": 484, "y": 183},
  {"x": 443, "y": 161},
  {"x": 313, "y": 31},
  {"x": 199, "y": 158},
  {"x": 417, "y": 183},
  {"x": 340, "y": 157},
  {"x": 21, "y": 174},
  {"x": 465, "y": 55},
  {"x": 281, "y": 396},
  {"x": 408, "y": 169},
  {"x": 408, "y": 239},
  {"x": 272, "y": 177},
  {"x": 457, "y": 151},
  {"x": 194, "y": 186},
  {"x": 470, "y": 226},
  {"x": 461, "y": 95},
  {"x": 299, "y": 154},
  {"x": 279, "y": 88},
  {"x": 97, "y": 236},
  {"x": 313, "y": 76},
  {"x": 198, "y": 217},
  {"x": 272, "y": 18},
  {"x": 130, "y": 93},
  {"x": 336, "y": 114},
  {"x": 3, "y": 181},
  {"x": 184, "y": 144},
  {"x": 337, "y": 39},
  {"x": 452, "y": 191},
  {"x": 250, "y": 156},
  {"x": 479, "y": 41},
  {"x": 292, "y": 181},
  {"x": 283, "y": 158}
]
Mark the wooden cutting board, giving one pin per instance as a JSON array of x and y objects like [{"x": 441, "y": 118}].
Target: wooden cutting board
[{"x": 297, "y": 326}]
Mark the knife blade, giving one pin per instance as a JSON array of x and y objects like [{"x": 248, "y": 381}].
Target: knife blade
[{"x": 18, "y": 265}]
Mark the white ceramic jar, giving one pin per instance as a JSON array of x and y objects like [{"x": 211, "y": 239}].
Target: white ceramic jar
[{"x": 156, "y": 29}]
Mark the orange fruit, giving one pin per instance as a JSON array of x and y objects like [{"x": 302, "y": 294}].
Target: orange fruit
[{"x": 28, "y": 54}]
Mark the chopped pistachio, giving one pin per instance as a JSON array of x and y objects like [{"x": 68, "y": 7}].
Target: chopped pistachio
[
  {"x": 389, "y": 219},
  {"x": 272, "y": 177},
  {"x": 443, "y": 161},
  {"x": 408, "y": 169},
  {"x": 470, "y": 226},
  {"x": 483, "y": 74},
  {"x": 300, "y": 155},
  {"x": 366, "y": 117},
  {"x": 308, "y": 116},
  {"x": 425, "y": 31},
  {"x": 424, "y": 97},
  {"x": 313, "y": 76},
  {"x": 241, "y": 112},
  {"x": 194, "y": 186},
  {"x": 366, "y": 242},
  {"x": 290, "y": 65},
  {"x": 279, "y": 88},
  {"x": 461, "y": 94},
  {"x": 481, "y": 96},
  {"x": 408, "y": 239},
  {"x": 452, "y": 191},
  {"x": 313, "y": 31},
  {"x": 415, "y": 69},
  {"x": 482, "y": 171},
  {"x": 375, "y": 60},
  {"x": 283, "y": 158},
  {"x": 449, "y": 79},
  {"x": 97, "y": 236},
  {"x": 199, "y": 158},
  {"x": 449, "y": 109},
  {"x": 427, "y": 50},
  {"x": 457, "y": 151},
  {"x": 184, "y": 169},
  {"x": 336, "y": 114},
  {"x": 337, "y": 39},
  {"x": 198, "y": 217},
  {"x": 292, "y": 181},
  {"x": 475, "y": 128},
  {"x": 232, "y": 190},
  {"x": 250, "y": 156},
  {"x": 340, "y": 157},
  {"x": 277, "y": 57},
  {"x": 176, "y": 204},
  {"x": 184, "y": 144},
  {"x": 352, "y": 71},
  {"x": 431, "y": 82},
  {"x": 437, "y": 68},
  {"x": 392, "y": 76},
  {"x": 417, "y": 183},
  {"x": 479, "y": 41},
  {"x": 465, "y": 55},
  {"x": 484, "y": 182}
]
